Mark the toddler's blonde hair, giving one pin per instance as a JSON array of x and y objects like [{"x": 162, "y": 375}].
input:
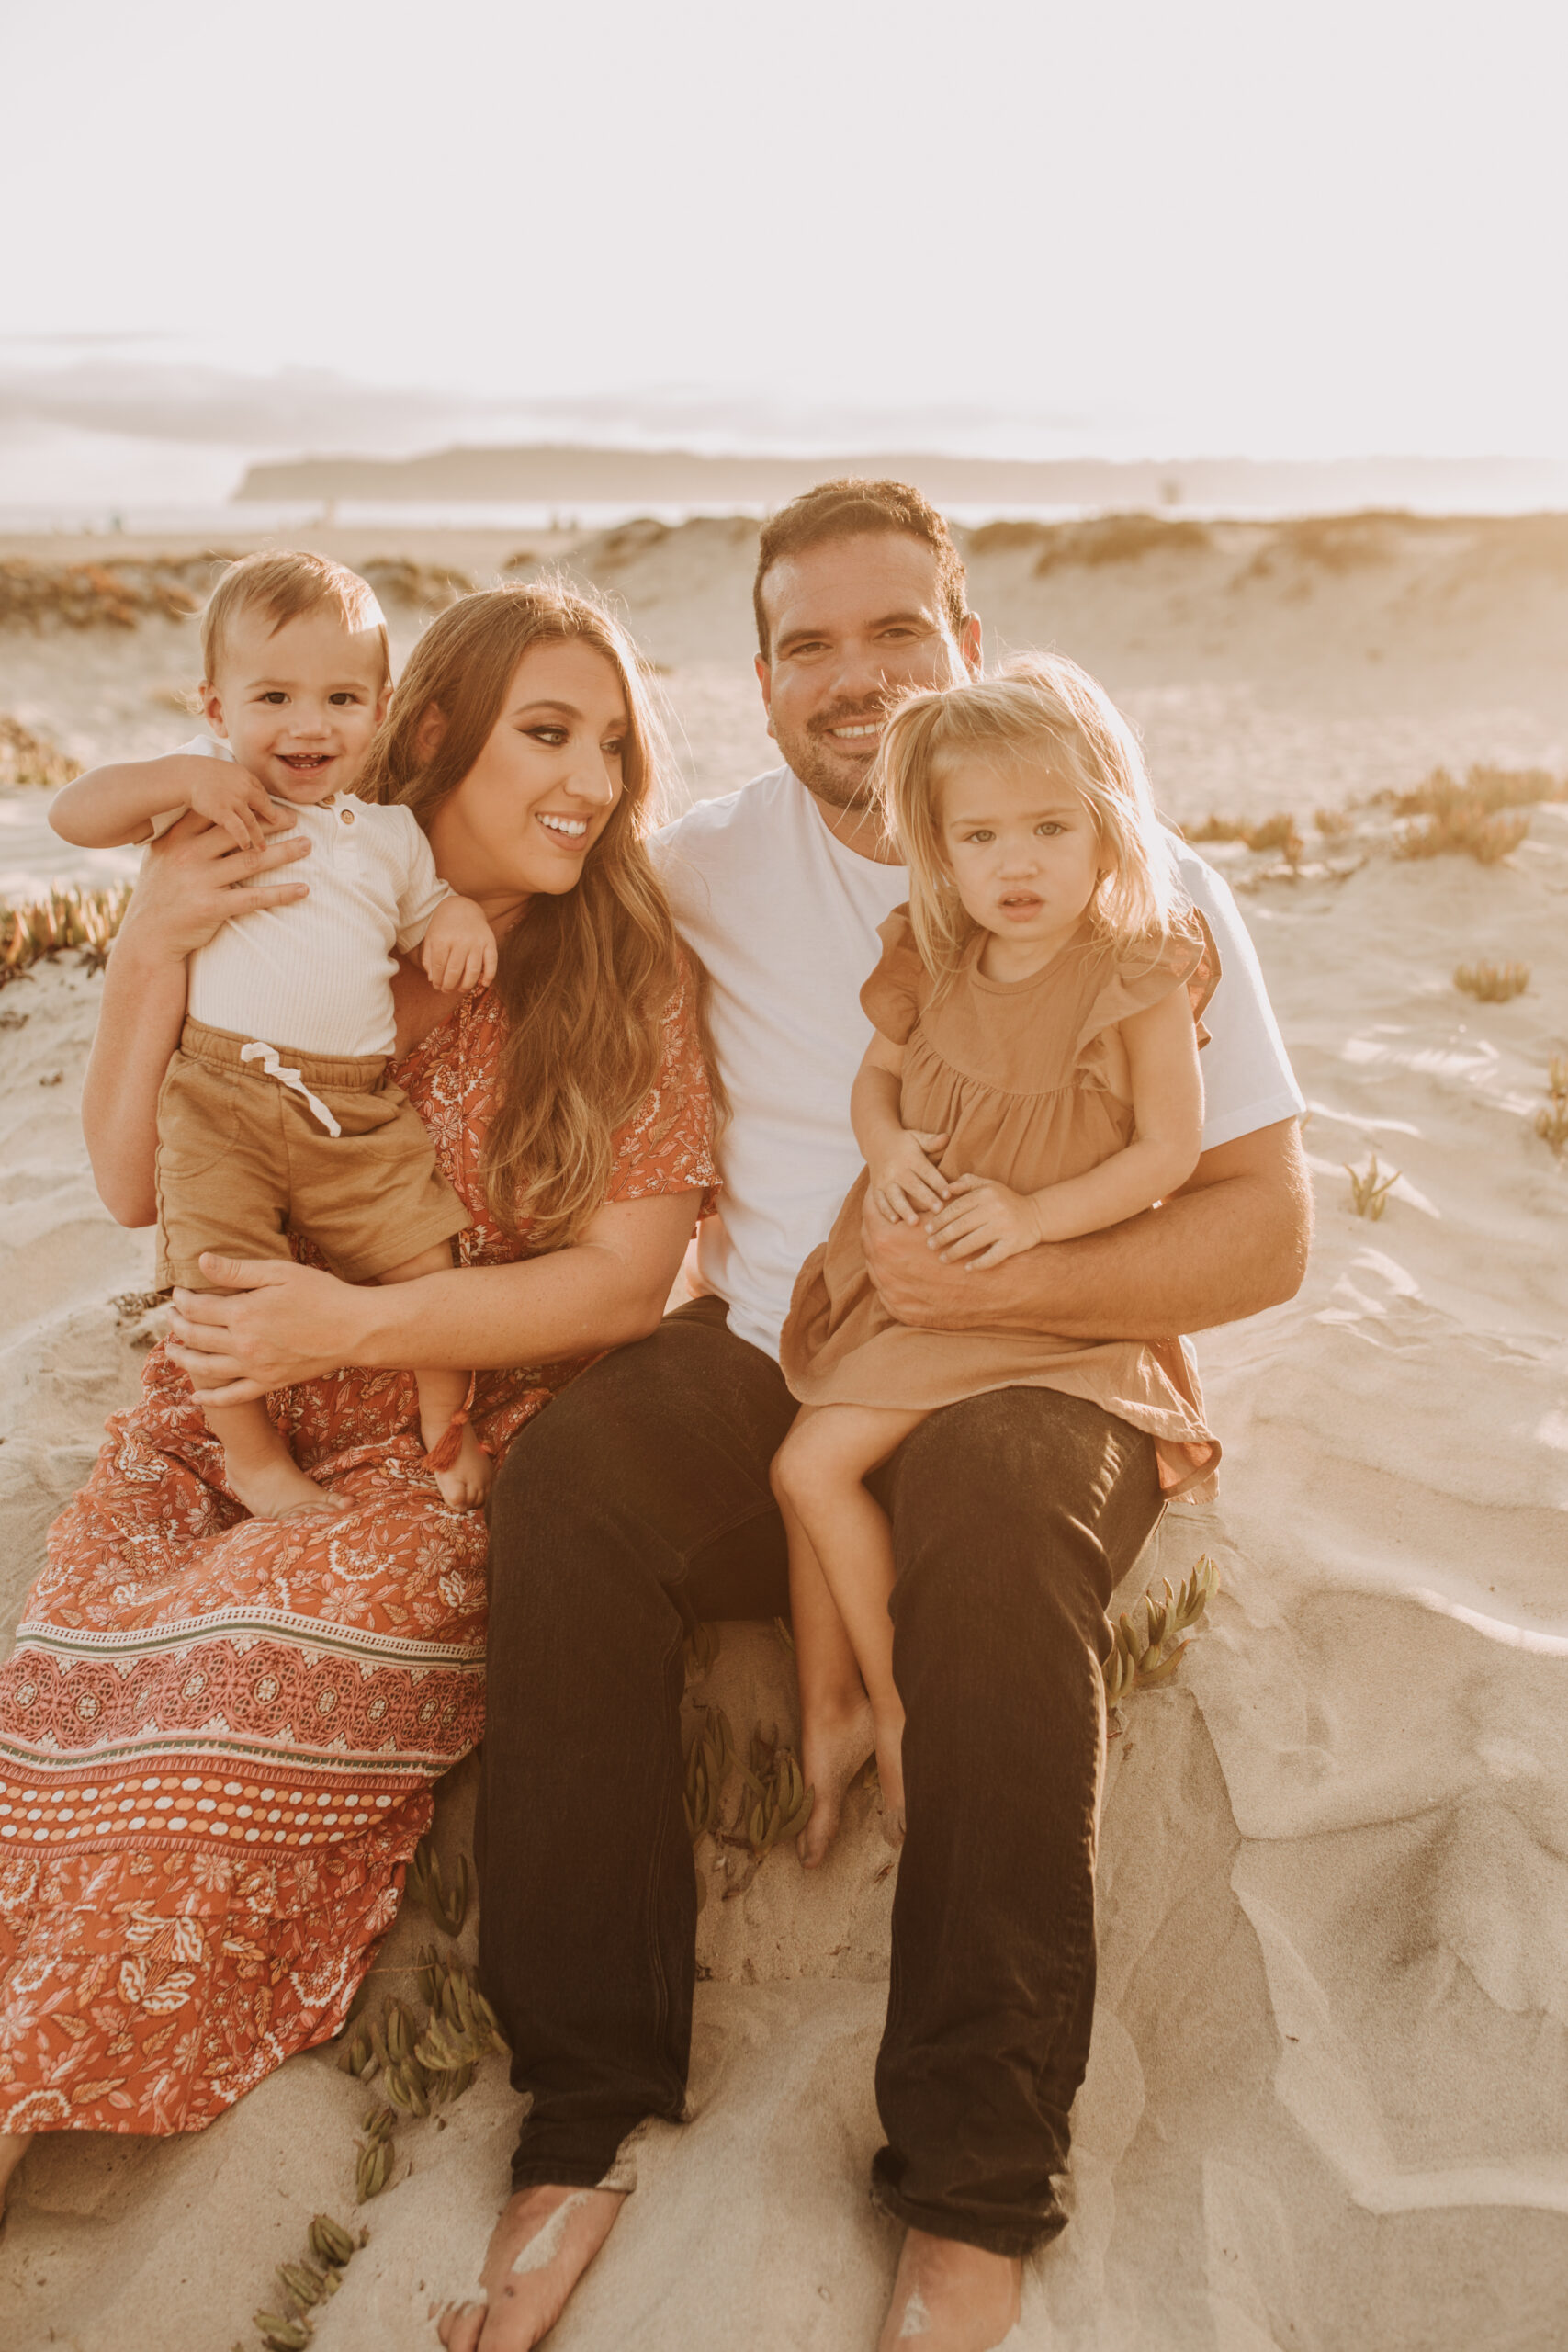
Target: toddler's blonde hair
[
  {"x": 1043, "y": 710},
  {"x": 284, "y": 585}
]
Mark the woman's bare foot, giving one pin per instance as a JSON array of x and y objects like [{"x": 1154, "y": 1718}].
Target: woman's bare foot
[
  {"x": 949, "y": 2297},
  {"x": 13, "y": 2146},
  {"x": 833, "y": 1747},
  {"x": 466, "y": 1481},
  {"x": 277, "y": 1489},
  {"x": 541, "y": 2245},
  {"x": 890, "y": 1772}
]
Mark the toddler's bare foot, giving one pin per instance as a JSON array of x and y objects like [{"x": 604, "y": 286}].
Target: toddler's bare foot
[
  {"x": 833, "y": 1747},
  {"x": 949, "y": 2297},
  {"x": 466, "y": 1481},
  {"x": 890, "y": 1772},
  {"x": 541, "y": 2245},
  {"x": 277, "y": 1489}
]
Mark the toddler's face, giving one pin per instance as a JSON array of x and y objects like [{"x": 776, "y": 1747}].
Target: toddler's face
[
  {"x": 1021, "y": 847},
  {"x": 298, "y": 705}
]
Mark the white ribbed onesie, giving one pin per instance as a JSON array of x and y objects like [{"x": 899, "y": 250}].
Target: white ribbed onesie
[{"x": 317, "y": 974}]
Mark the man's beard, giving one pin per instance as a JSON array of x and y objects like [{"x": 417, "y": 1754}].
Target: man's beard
[{"x": 822, "y": 768}]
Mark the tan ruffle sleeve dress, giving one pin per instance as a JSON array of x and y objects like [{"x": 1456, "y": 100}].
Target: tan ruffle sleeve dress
[{"x": 1015, "y": 1073}]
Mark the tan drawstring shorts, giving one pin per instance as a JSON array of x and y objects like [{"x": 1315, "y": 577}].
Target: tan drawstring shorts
[{"x": 246, "y": 1157}]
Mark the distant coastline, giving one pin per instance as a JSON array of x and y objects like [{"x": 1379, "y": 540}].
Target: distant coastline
[{"x": 570, "y": 476}]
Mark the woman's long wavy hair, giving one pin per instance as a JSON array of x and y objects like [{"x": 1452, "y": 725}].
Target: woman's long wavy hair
[{"x": 587, "y": 977}]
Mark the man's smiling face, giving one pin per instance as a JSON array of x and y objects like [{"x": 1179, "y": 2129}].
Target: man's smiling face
[{"x": 852, "y": 622}]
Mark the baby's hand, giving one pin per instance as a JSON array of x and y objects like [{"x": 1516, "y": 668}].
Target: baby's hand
[
  {"x": 232, "y": 798},
  {"x": 903, "y": 1180},
  {"x": 984, "y": 1222},
  {"x": 459, "y": 951}
]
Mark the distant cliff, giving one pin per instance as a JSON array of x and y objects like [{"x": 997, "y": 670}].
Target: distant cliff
[{"x": 567, "y": 476}]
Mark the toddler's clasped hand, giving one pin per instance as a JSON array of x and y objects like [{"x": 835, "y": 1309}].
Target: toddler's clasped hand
[
  {"x": 231, "y": 798},
  {"x": 984, "y": 1222},
  {"x": 459, "y": 951},
  {"x": 904, "y": 1180}
]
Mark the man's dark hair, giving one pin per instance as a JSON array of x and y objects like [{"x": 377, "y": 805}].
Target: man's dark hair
[{"x": 841, "y": 510}]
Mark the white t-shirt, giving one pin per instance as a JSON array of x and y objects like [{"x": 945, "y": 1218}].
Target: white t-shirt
[
  {"x": 317, "y": 974},
  {"x": 785, "y": 919}
]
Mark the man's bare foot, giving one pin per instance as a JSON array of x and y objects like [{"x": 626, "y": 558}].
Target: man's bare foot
[
  {"x": 277, "y": 1489},
  {"x": 890, "y": 1772},
  {"x": 13, "y": 2146},
  {"x": 832, "y": 1750},
  {"x": 465, "y": 1482},
  {"x": 949, "y": 2297},
  {"x": 541, "y": 2245}
]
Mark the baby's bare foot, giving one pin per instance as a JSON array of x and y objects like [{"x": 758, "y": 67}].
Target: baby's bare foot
[
  {"x": 949, "y": 2297},
  {"x": 541, "y": 2245},
  {"x": 278, "y": 1489},
  {"x": 832, "y": 1750},
  {"x": 466, "y": 1481}
]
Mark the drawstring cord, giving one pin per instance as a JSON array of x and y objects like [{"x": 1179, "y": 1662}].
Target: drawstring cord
[{"x": 268, "y": 1057}]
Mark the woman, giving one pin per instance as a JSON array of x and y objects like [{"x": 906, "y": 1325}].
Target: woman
[{"x": 218, "y": 1735}]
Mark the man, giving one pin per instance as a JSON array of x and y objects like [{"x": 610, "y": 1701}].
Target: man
[{"x": 640, "y": 1502}]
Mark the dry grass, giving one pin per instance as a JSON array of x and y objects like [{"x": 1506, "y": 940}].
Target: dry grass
[
  {"x": 1117, "y": 538},
  {"x": 1333, "y": 824},
  {"x": 1551, "y": 1121},
  {"x": 67, "y": 918},
  {"x": 1333, "y": 543},
  {"x": 1469, "y": 830},
  {"x": 115, "y": 594},
  {"x": 1370, "y": 1190},
  {"x": 1489, "y": 790},
  {"x": 1278, "y": 833},
  {"x": 29, "y": 758},
  {"x": 1492, "y": 983},
  {"x": 400, "y": 579}
]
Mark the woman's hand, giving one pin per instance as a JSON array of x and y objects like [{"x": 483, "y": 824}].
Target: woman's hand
[
  {"x": 273, "y": 1325},
  {"x": 194, "y": 879},
  {"x": 904, "y": 1180},
  {"x": 984, "y": 1222}
]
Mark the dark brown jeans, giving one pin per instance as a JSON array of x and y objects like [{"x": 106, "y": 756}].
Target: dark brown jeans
[{"x": 637, "y": 1504}]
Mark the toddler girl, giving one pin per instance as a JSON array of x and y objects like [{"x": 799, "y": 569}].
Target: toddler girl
[
  {"x": 277, "y": 1113},
  {"x": 1033, "y": 1076}
]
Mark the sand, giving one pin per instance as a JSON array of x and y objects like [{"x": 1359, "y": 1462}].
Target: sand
[{"x": 1325, "y": 2104}]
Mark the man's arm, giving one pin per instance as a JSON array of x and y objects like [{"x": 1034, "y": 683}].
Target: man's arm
[{"x": 1232, "y": 1242}]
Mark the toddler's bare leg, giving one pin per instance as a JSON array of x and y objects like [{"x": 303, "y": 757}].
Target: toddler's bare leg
[
  {"x": 837, "y": 1734},
  {"x": 466, "y": 1481},
  {"x": 817, "y": 1475},
  {"x": 259, "y": 1468}
]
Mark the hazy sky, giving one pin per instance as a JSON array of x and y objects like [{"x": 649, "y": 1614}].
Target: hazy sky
[{"x": 1124, "y": 225}]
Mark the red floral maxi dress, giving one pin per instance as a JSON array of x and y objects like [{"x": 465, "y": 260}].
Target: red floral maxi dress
[{"x": 218, "y": 1735}]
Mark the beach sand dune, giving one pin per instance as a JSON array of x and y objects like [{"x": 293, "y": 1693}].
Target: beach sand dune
[{"x": 1327, "y": 2099}]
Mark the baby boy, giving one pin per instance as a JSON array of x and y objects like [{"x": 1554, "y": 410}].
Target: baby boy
[{"x": 278, "y": 1113}]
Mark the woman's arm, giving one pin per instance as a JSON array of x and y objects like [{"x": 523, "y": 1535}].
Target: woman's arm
[
  {"x": 191, "y": 882},
  {"x": 283, "y": 1323},
  {"x": 1167, "y": 1111}
]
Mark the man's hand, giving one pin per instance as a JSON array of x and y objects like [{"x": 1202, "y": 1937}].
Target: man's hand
[
  {"x": 231, "y": 799},
  {"x": 459, "y": 951},
  {"x": 917, "y": 1287},
  {"x": 984, "y": 1222},
  {"x": 904, "y": 1181},
  {"x": 278, "y": 1325}
]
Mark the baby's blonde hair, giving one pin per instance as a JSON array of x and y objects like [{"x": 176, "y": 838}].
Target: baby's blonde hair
[
  {"x": 1044, "y": 711},
  {"x": 284, "y": 585}
]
